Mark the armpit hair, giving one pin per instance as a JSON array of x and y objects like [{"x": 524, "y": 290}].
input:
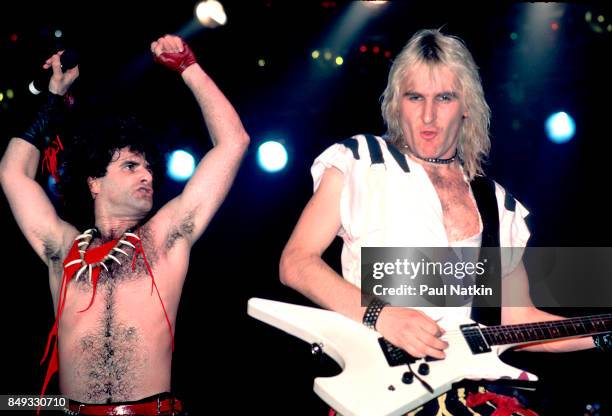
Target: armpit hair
[
  {"x": 183, "y": 229},
  {"x": 52, "y": 251}
]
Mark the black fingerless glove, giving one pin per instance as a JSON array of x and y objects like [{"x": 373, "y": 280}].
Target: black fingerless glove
[{"x": 51, "y": 115}]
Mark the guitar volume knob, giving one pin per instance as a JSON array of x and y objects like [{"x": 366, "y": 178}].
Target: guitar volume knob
[
  {"x": 423, "y": 369},
  {"x": 407, "y": 377}
]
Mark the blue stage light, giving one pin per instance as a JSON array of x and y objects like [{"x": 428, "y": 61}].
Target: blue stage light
[
  {"x": 560, "y": 127},
  {"x": 272, "y": 156},
  {"x": 181, "y": 165}
]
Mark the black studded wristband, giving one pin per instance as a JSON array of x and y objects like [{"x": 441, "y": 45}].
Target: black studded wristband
[
  {"x": 372, "y": 312},
  {"x": 603, "y": 342}
]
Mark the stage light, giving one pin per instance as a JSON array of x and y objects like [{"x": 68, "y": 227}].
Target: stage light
[
  {"x": 52, "y": 186},
  {"x": 261, "y": 63},
  {"x": 363, "y": 49},
  {"x": 596, "y": 22},
  {"x": 315, "y": 54},
  {"x": 374, "y": 3},
  {"x": 376, "y": 49},
  {"x": 180, "y": 165},
  {"x": 513, "y": 36},
  {"x": 210, "y": 13},
  {"x": 58, "y": 33},
  {"x": 272, "y": 156},
  {"x": 10, "y": 94},
  {"x": 328, "y": 4},
  {"x": 327, "y": 55},
  {"x": 339, "y": 60},
  {"x": 560, "y": 127},
  {"x": 1, "y": 97}
]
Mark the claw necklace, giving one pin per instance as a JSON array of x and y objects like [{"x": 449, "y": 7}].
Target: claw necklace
[{"x": 83, "y": 242}]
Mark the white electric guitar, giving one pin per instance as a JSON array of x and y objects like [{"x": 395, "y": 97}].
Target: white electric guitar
[{"x": 380, "y": 379}]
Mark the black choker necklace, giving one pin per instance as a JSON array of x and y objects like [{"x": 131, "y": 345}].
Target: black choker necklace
[{"x": 438, "y": 160}]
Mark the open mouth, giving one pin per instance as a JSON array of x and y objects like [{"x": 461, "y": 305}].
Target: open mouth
[{"x": 428, "y": 134}]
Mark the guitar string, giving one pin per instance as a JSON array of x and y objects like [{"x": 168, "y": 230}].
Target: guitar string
[
  {"x": 454, "y": 335},
  {"x": 511, "y": 337},
  {"x": 496, "y": 332},
  {"x": 542, "y": 329},
  {"x": 588, "y": 324}
]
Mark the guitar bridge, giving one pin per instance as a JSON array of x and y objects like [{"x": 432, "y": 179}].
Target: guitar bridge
[
  {"x": 395, "y": 356},
  {"x": 473, "y": 336}
]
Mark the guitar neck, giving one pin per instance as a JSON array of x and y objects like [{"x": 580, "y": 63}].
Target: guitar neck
[{"x": 549, "y": 330}]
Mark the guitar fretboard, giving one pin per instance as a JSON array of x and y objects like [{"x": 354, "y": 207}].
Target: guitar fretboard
[{"x": 540, "y": 331}]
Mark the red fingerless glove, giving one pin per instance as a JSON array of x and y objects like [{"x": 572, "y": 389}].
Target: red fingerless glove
[{"x": 177, "y": 61}]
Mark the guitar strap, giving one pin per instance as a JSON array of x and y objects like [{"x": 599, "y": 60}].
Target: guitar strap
[{"x": 485, "y": 310}]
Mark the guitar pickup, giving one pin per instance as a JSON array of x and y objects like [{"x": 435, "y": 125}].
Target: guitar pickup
[{"x": 474, "y": 338}]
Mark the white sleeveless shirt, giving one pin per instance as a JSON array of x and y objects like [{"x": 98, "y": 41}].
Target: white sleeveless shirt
[{"x": 383, "y": 206}]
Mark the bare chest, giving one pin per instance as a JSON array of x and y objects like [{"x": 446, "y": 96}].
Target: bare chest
[
  {"x": 460, "y": 214},
  {"x": 113, "y": 349}
]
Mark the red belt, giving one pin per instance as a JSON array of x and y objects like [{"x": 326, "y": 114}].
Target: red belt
[{"x": 167, "y": 407}]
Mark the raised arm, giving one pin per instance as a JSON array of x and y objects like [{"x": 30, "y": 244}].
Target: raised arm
[
  {"x": 193, "y": 209},
  {"x": 33, "y": 211},
  {"x": 303, "y": 269}
]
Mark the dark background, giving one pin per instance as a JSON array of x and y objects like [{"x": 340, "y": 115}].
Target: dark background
[{"x": 246, "y": 365}]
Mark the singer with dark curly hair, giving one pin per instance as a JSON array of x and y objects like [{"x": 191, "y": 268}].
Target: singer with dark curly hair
[{"x": 116, "y": 286}]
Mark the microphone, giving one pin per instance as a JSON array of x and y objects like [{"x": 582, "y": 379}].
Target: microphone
[{"x": 69, "y": 59}]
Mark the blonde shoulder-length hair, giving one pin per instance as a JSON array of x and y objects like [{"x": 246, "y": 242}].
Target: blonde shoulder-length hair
[{"x": 432, "y": 48}]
